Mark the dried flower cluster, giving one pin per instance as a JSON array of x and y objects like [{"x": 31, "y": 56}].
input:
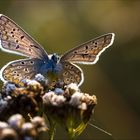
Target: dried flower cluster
[
  {"x": 16, "y": 128},
  {"x": 62, "y": 104}
]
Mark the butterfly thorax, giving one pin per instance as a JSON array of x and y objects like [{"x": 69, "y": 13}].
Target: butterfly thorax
[{"x": 50, "y": 66}]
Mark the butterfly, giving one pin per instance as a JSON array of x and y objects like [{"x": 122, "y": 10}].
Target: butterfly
[{"x": 14, "y": 39}]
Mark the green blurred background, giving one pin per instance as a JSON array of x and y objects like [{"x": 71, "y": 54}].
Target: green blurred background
[{"x": 115, "y": 80}]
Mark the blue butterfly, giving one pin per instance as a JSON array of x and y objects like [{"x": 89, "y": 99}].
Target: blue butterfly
[{"x": 13, "y": 39}]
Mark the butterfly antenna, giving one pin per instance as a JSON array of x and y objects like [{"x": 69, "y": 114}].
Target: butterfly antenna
[{"x": 102, "y": 130}]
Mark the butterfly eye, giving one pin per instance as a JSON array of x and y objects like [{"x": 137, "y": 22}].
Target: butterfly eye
[{"x": 55, "y": 58}]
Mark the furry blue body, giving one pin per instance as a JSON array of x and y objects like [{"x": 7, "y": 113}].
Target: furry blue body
[{"x": 51, "y": 65}]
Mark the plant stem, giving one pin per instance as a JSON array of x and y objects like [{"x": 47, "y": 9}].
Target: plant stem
[{"x": 52, "y": 129}]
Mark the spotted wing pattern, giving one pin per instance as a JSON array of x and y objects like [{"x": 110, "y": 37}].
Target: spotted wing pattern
[
  {"x": 15, "y": 71},
  {"x": 89, "y": 52},
  {"x": 71, "y": 73},
  {"x": 13, "y": 39}
]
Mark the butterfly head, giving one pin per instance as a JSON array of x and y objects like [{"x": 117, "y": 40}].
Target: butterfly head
[{"x": 55, "y": 58}]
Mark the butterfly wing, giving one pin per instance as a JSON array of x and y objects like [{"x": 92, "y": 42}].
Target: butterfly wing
[
  {"x": 17, "y": 70},
  {"x": 71, "y": 73},
  {"x": 89, "y": 52},
  {"x": 13, "y": 39}
]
